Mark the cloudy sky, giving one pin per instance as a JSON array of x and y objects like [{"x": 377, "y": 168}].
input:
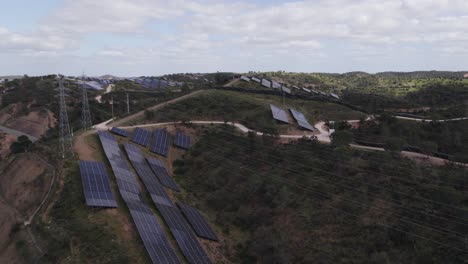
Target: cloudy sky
[{"x": 152, "y": 37}]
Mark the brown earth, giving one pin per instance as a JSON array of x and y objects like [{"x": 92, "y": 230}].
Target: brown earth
[
  {"x": 35, "y": 123},
  {"x": 24, "y": 184},
  {"x": 5, "y": 142}
]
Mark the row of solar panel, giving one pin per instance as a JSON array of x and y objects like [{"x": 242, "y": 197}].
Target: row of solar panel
[
  {"x": 160, "y": 141},
  {"x": 275, "y": 85},
  {"x": 179, "y": 228},
  {"x": 96, "y": 186},
  {"x": 149, "y": 229},
  {"x": 154, "y": 83},
  {"x": 280, "y": 115}
]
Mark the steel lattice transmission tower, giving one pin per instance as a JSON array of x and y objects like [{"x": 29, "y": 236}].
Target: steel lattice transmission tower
[
  {"x": 65, "y": 132},
  {"x": 85, "y": 112}
]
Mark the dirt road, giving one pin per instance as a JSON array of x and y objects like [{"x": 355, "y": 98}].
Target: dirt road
[{"x": 141, "y": 113}]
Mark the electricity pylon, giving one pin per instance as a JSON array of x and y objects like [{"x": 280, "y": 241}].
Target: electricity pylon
[{"x": 65, "y": 132}]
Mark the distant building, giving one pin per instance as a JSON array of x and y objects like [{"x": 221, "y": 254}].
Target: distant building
[{"x": 465, "y": 76}]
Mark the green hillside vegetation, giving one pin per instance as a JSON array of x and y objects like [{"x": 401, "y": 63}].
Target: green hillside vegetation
[
  {"x": 306, "y": 202},
  {"x": 393, "y": 84},
  {"x": 446, "y": 137},
  {"x": 251, "y": 110}
]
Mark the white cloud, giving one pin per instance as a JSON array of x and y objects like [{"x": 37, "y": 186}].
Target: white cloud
[{"x": 208, "y": 30}]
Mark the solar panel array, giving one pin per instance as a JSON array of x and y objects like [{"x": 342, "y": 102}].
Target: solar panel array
[
  {"x": 306, "y": 90},
  {"x": 146, "y": 174},
  {"x": 286, "y": 90},
  {"x": 150, "y": 230},
  {"x": 181, "y": 140},
  {"x": 279, "y": 114},
  {"x": 334, "y": 96},
  {"x": 96, "y": 187},
  {"x": 275, "y": 85},
  {"x": 119, "y": 132},
  {"x": 141, "y": 136},
  {"x": 160, "y": 142},
  {"x": 159, "y": 169},
  {"x": 245, "y": 78},
  {"x": 255, "y": 79},
  {"x": 179, "y": 228},
  {"x": 301, "y": 120},
  {"x": 146, "y": 83},
  {"x": 266, "y": 83},
  {"x": 198, "y": 222},
  {"x": 155, "y": 84}
]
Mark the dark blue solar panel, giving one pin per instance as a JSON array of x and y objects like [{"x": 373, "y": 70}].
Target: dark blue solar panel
[
  {"x": 119, "y": 132},
  {"x": 160, "y": 142},
  {"x": 183, "y": 234},
  {"x": 155, "y": 84},
  {"x": 181, "y": 140},
  {"x": 96, "y": 186},
  {"x": 185, "y": 239},
  {"x": 146, "y": 174},
  {"x": 163, "y": 84},
  {"x": 301, "y": 120},
  {"x": 198, "y": 222},
  {"x": 159, "y": 169},
  {"x": 141, "y": 136},
  {"x": 150, "y": 231},
  {"x": 279, "y": 114},
  {"x": 146, "y": 83}
]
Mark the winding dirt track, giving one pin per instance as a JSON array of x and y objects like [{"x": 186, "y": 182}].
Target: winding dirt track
[{"x": 323, "y": 136}]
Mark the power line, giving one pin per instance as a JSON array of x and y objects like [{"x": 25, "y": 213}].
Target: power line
[
  {"x": 327, "y": 195},
  {"x": 372, "y": 185}
]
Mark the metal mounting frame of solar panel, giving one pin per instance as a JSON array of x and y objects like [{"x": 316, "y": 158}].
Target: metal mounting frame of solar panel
[
  {"x": 185, "y": 239},
  {"x": 197, "y": 221},
  {"x": 160, "y": 142},
  {"x": 141, "y": 136},
  {"x": 96, "y": 186},
  {"x": 279, "y": 114},
  {"x": 149, "y": 229},
  {"x": 301, "y": 120},
  {"x": 159, "y": 169},
  {"x": 181, "y": 140},
  {"x": 119, "y": 132}
]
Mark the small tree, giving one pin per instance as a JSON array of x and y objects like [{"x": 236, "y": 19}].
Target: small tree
[
  {"x": 428, "y": 147},
  {"x": 21, "y": 145},
  {"x": 395, "y": 144},
  {"x": 342, "y": 138},
  {"x": 149, "y": 114}
]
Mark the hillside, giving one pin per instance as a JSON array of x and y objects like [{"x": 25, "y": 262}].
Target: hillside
[
  {"x": 269, "y": 199},
  {"x": 251, "y": 110},
  {"x": 308, "y": 203}
]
